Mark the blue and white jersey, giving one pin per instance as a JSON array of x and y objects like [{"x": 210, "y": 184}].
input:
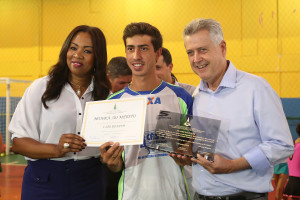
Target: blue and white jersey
[{"x": 149, "y": 174}]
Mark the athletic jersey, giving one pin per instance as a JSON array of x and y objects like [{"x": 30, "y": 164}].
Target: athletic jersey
[{"x": 150, "y": 174}]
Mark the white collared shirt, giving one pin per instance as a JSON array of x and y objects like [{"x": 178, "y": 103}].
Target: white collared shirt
[{"x": 64, "y": 115}]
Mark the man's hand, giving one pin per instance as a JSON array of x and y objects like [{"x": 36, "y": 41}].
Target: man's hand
[{"x": 222, "y": 165}]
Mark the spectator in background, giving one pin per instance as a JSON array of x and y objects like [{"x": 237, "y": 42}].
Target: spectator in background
[
  {"x": 292, "y": 188},
  {"x": 119, "y": 73},
  {"x": 281, "y": 174},
  {"x": 164, "y": 68}
]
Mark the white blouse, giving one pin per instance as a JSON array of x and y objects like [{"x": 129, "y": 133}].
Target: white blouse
[{"x": 64, "y": 115}]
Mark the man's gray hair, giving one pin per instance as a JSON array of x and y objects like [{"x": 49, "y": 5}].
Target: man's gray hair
[{"x": 211, "y": 25}]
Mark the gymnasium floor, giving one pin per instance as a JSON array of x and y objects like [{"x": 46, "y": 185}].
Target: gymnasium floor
[{"x": 11, "y": 177}]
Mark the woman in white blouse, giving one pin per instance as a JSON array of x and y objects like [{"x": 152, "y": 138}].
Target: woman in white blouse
[{"x": 47, "y": 122}]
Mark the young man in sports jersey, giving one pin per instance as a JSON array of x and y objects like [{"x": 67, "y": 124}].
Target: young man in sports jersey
[{"x": 147, "y": 174}]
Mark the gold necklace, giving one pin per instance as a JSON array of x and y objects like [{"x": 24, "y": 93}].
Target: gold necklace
[{"x": 78, "y": 91}]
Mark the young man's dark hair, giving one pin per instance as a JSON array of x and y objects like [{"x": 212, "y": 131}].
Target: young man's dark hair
[{"x": 142, "y": 28}]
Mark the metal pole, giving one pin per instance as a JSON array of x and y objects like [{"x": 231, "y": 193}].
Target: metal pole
[{"x": 7, "y": 116}]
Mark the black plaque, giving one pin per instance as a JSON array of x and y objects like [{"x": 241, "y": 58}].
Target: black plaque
[{"x": 185, "y": 134}]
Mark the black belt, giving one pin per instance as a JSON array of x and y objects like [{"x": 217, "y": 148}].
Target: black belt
[{"x": 239, "y": 196}]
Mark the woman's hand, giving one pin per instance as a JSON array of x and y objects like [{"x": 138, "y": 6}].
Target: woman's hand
[
  {"x": 34, "y": 149},
  {"x": 70, "y": 142}
]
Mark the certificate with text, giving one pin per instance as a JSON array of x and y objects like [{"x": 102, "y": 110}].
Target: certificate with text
[{"x": 117, "y": 120}]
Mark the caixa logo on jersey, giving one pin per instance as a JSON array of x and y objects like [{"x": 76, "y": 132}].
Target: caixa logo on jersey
[{"x": 153, "y": 100}]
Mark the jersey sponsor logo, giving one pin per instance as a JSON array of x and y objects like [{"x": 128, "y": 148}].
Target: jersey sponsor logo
[
  {"x": 163, "y": 115},
  {"x": 153, "y": 100}
]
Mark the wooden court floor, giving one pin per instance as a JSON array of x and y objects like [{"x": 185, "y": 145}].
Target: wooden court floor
[{"x": 12, "y": 175}]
